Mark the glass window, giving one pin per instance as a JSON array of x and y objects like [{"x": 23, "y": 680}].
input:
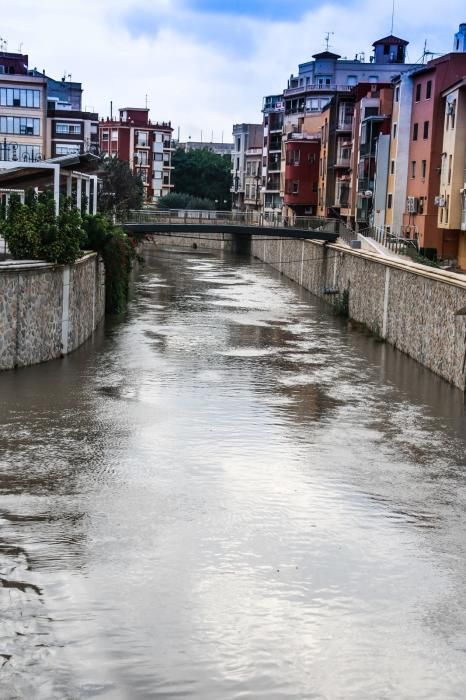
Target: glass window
[
  {"x": 66, "y": 149},
  {"x": 415, "y": 131},
  {"x": 27, "y": 126},
  {"x": 16, "y": 97},
  {"x": 413, "y": 168},
  {"x": 418, "y": 92},
  {"x": 423, "y": 169},
  {"x": 428, "y": 89},
  {"x": 389, "y": 201}
]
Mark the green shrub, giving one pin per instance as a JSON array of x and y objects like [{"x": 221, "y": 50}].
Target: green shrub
[{"x": 118, "y": 252}]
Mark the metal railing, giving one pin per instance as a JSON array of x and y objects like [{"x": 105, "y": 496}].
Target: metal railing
[
  {"x": 236, "y": 218},
  {"x": 396, "y": 243}
]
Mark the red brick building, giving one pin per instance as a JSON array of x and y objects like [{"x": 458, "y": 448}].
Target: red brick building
[
  {"x": 145, "y": 145},
  {"x": 302, "y": 173}
]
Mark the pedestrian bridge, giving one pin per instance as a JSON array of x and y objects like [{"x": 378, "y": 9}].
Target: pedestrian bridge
[{"x": 173, "y": 222}]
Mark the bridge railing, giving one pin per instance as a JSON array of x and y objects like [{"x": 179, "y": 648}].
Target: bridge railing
[{"x": 235, "y": 218}]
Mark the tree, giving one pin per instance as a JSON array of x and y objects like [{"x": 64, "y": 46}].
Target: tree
[
  {"x": 121, "y": 190},
  {"x": 202, "y": 173},
  {"x": 179, "y": 200}
]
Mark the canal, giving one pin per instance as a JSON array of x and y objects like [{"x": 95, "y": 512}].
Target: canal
[{"x": 231, "y": 494}]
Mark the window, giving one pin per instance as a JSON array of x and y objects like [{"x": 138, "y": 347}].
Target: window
[
  {"x": 238, "y": 143},
  {"x": 142, "y": 139},
  {"x": 351, "y": 80},
  {"x": 114, "y": 134},
  {"x": 63, "y": 128},
  {"x": 248, "y": 191},
  {"x": 449, "y": 169},
  {"x": 418, "y": 92},
  {"x": 389, "y": 201},
  {"x": 158, "y": 157},
  {"x": 392, "y": 167},
  {"x": 428, "y": 89},
  {"x": 413, "y": 168},
  {"x": 27, "y": 126},
  {"x": 423, "y": 169},
  {"x": 397, "y": 94},
  {"x": 295, "y": 187},
  {"x": 373, "y": 78},
  {"x": 394, "y": 130},
  {"x": 140, "y": 157},
  {"x": 447, "y": 208},
  {"x": 426, "y": 130},
  {"x": 66, "y": 149},
  {"x": 14, "y": 97},
  {"x": 415, "y": 131}
]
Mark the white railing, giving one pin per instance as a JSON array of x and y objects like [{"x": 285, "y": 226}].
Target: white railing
[{"x": 320, "y": 88}]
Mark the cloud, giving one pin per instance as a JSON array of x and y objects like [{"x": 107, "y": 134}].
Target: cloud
[{"x": 203, "y": 64}]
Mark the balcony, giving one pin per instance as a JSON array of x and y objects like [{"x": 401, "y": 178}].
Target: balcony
[
  {"x": 274, "y": 164},
  {"x": 345, "y": 124},
  {"x": 302, "y": 89},
  {"x": 273, "y": 183},
  {"x": 342, "y": 161},
  {"x": 275, "y": 144},
  {"x": 342, "y": 193}
]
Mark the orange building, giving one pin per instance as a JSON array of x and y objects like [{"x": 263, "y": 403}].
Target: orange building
[{"x": 425, "y": 153}]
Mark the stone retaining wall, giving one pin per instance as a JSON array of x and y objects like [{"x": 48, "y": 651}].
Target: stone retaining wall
[
  {"x": 413, "y": 307},
  {"x": 47, "y": 311},
  {"x": 207, "y": 241}
]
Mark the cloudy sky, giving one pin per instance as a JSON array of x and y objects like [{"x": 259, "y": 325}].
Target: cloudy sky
[{"x": 206, "y": 64}]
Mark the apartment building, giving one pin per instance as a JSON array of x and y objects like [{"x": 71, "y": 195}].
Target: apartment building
[
  {"x": 451, "y": 200},
  {"x": 245, "y": 137},
  {"x": 302, "y": 173},
  {"x": 23, "y": 105},
  {"x": 145, "y": 145},
  {"x": 426, "y": 160},
  {"x": 253, "y": 178},
  {"x": 317, "y": 83},
  {"x": 273, "y": 110},
  {"x": 71, "y": 131}
]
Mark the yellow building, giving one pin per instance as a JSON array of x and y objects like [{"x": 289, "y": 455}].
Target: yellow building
[
  {"x": 23, "y": 110},
  {"x": 451, "y": 198}
]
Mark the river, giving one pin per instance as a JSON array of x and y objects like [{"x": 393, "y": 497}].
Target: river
[{"x": 231, "y": 494}]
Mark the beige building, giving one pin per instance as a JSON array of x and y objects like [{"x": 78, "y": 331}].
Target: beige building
[
  {"x": 253, "y": 179},
  {"x": 451, "y": 199},
  {"x": 23, "y": 117}
]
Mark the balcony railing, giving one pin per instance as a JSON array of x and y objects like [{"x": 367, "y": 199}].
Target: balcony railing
[
  {"x": 317, "y": 88},
  {"x": 345, "y": 125},
  {"x": 342, "y": 162}
]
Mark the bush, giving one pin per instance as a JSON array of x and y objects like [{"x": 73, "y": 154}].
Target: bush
[
  {"x": 118, "y": 252},
  {"x": 180, "y": 200},
  {"x": 34, "y": 232}
]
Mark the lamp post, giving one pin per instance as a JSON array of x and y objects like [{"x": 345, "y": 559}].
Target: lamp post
[
  {"x": 6, "y": 146},
  {"x": 236, "y": 180},
  {"x": 257, "y": 179}
]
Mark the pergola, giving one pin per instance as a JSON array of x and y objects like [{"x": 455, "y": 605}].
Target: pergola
[{"x": 71, "y": 171}]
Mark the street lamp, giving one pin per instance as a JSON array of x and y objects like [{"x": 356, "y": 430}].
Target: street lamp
[
  {"x": 257, "y": 179},
  {"x": 236, "y": 188},
  {"x": 6, "y": 150}
]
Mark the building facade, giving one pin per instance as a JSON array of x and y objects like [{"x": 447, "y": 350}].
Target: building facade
[
  {"x": 71, "y": 131},
  {"x": 245, "y": 137},
  {"x": 23, "y": 109},
  {"x": 327, "y": 77},
  {"x": 145, "y": 145}
]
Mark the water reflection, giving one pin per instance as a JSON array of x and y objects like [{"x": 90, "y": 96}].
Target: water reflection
[{"x": 231, "y": 493}]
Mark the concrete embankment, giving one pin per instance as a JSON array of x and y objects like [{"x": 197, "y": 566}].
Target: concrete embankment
[
  {"x": 419, "y": 310},
  {"x": 46, "y": 310}
]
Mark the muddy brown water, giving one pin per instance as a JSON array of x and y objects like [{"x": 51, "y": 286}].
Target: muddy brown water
[{"x": 231, "y": 494}]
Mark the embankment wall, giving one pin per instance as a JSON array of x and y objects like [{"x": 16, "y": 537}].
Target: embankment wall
[
  {"x": 419, "y": 310},
  {"x": 46, "y": 310}
]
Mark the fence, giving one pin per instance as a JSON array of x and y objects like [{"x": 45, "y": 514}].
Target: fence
[
  {"x": 400, "y": 245},
  {"x": 236, "y": 218}
]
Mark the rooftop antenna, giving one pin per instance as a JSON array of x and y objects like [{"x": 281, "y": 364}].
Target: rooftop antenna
[
  {"x": 393, "y": 17},
  {"x": 20, "y": 47},
  {"x": 327, "y": 40},
  {"x": 147, "y": 102}
]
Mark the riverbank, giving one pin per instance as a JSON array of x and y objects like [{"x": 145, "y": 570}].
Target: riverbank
[
  {"x": 419, "y": 310},
  {"x": 47, "y": 310}
]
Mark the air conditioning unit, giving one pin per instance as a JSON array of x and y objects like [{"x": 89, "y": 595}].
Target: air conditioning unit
[
  {"x": 439, "y": 201},
  {"x": 412, "y": 205}
]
